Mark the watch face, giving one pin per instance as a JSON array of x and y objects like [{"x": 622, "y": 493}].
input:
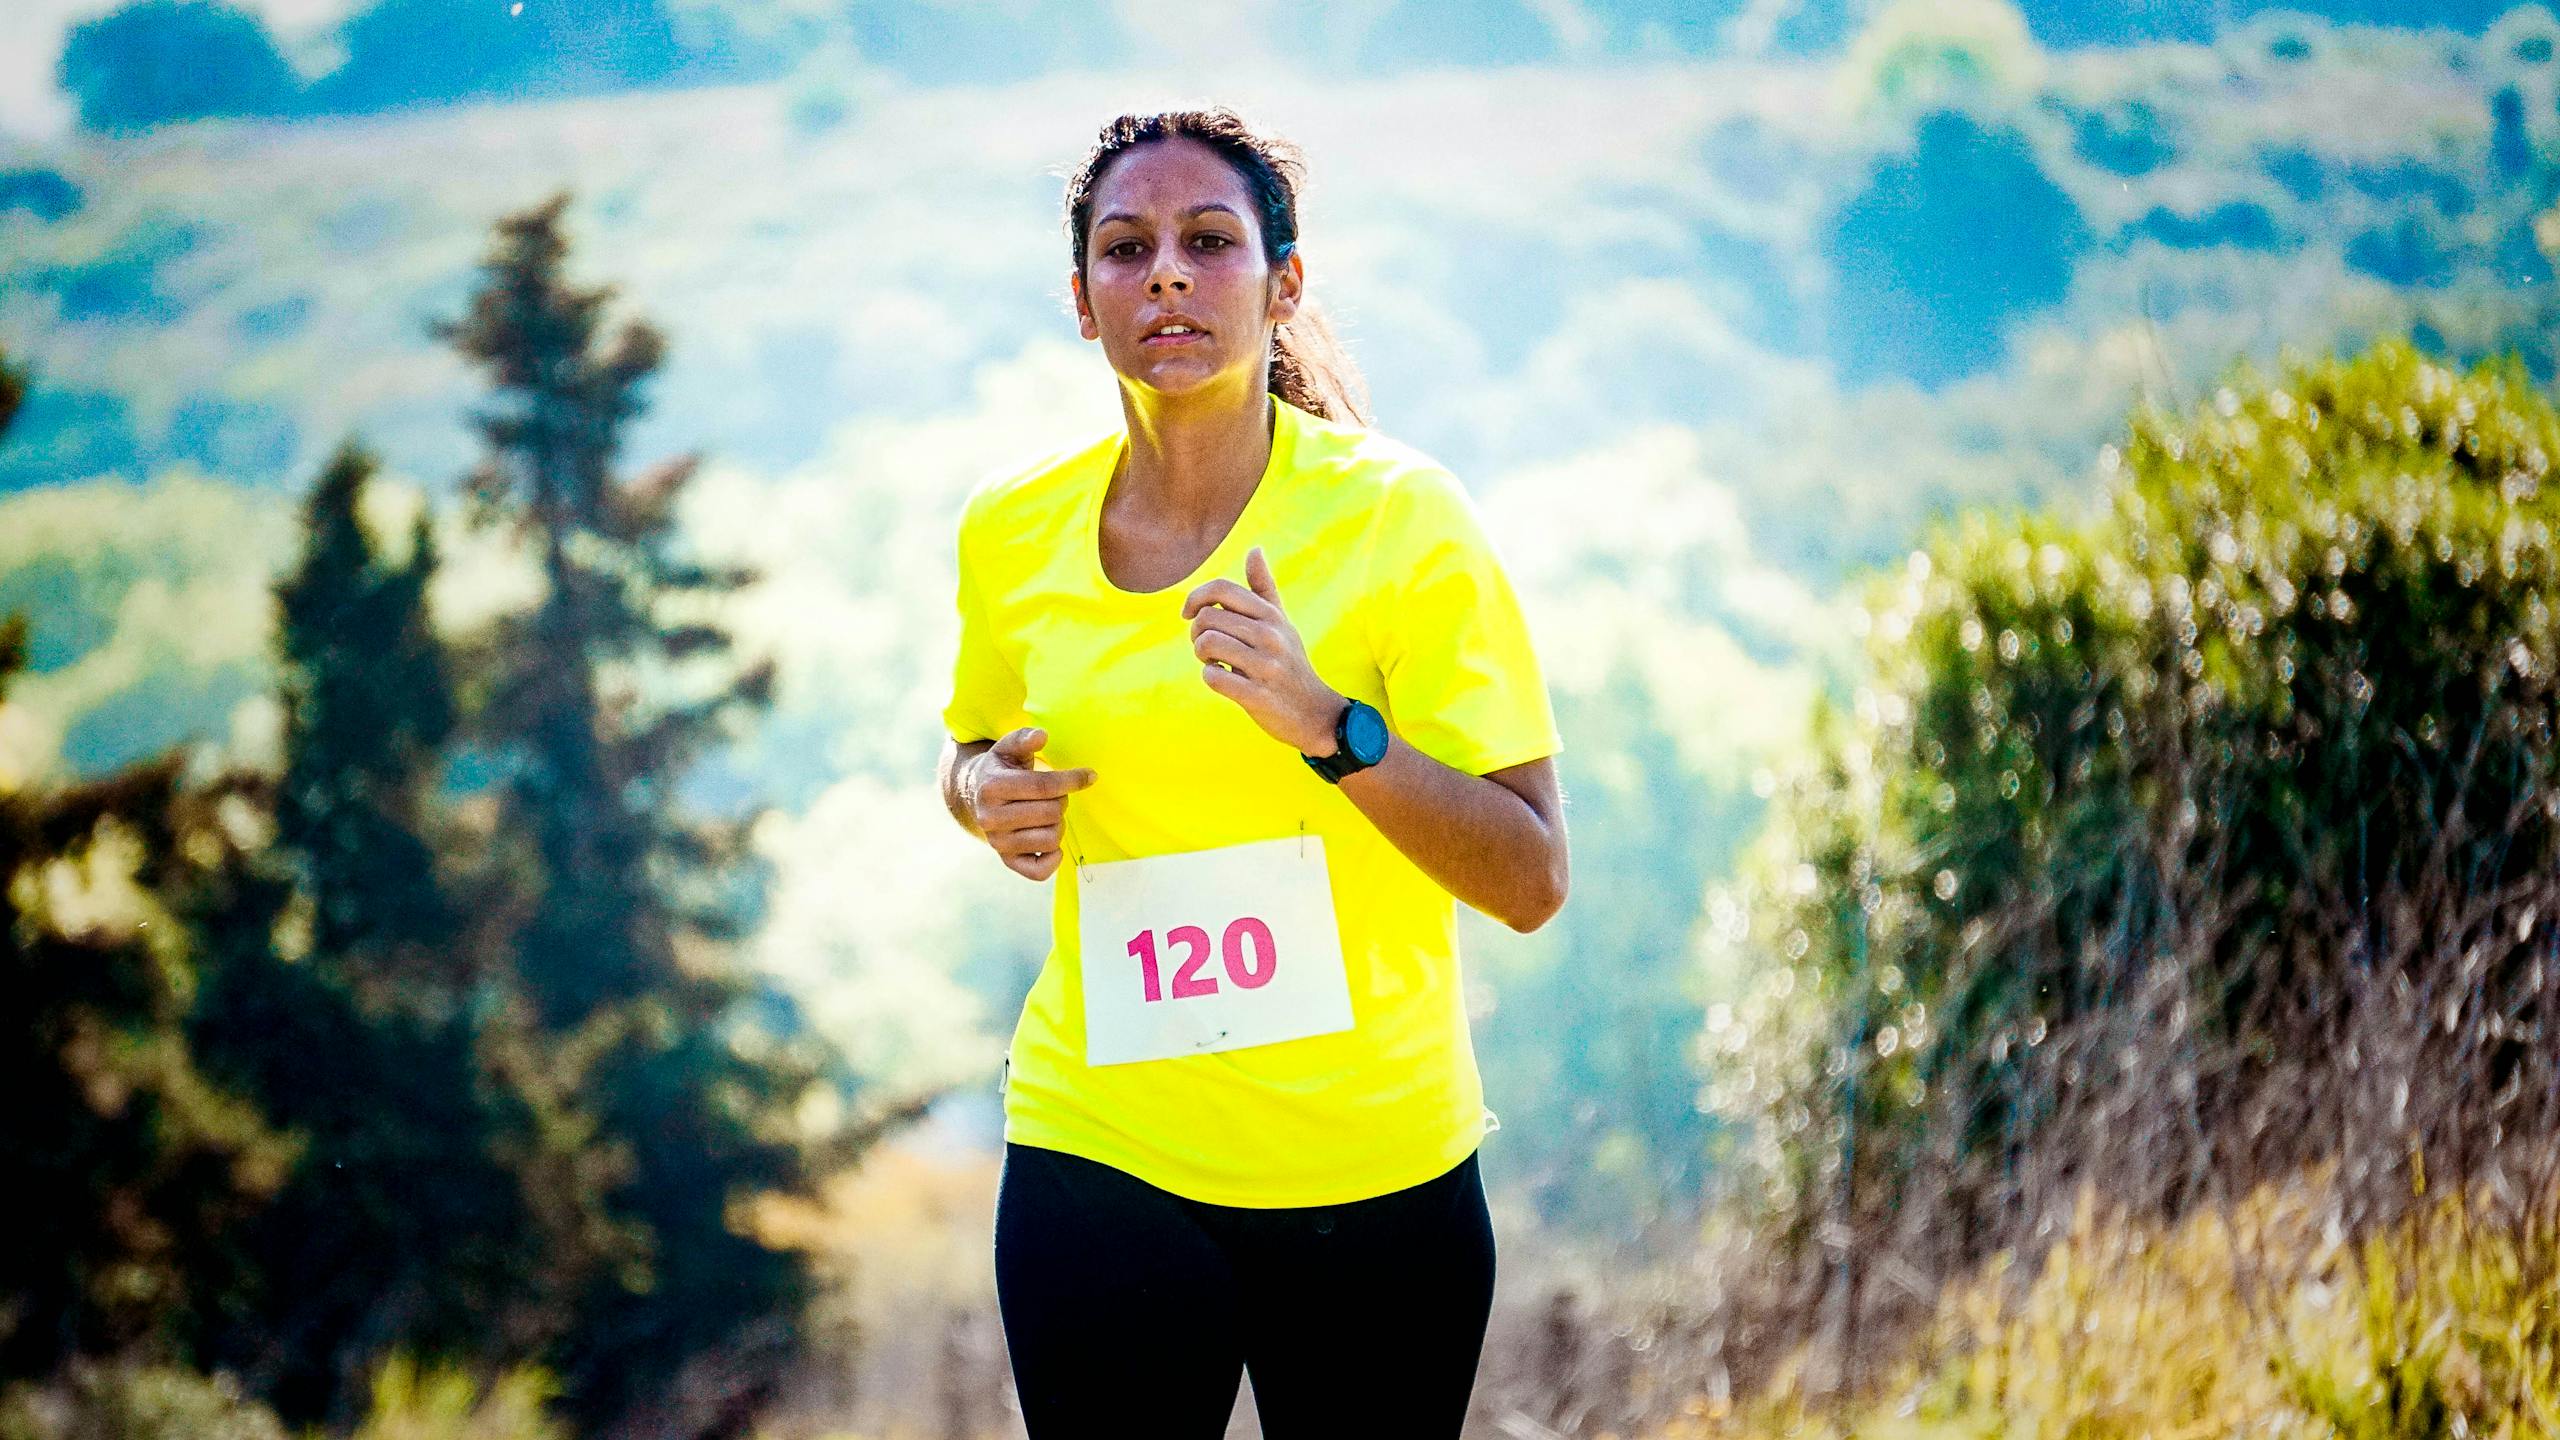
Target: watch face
[{"x": 1366, "y": 733}]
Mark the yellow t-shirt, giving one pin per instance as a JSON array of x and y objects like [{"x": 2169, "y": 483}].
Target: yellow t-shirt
[{"x": 1383, "y": 565}]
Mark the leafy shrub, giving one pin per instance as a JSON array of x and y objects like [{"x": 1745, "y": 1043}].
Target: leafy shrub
[{"x": 2175, "y": 847}]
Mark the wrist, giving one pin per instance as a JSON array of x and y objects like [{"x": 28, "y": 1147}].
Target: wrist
[
  {"x": 1328, "y": 718},
  {"x": 966, "y": 778}
]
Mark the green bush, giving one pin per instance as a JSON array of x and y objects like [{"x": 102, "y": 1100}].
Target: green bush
[{"x": 2176, "y": 845}]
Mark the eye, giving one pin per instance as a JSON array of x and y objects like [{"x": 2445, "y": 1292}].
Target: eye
[
  {"x": 1223, "y": 241},
  {"x": 1114, "y": 250}
]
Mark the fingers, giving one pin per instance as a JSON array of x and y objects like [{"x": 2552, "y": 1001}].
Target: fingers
[
  {"x": 1033, "y": 867},
  {"x": 1021, "y": 810},
  {"x": 1026, "y": 836},
  {"x": 1231, "y": 595},
  {"x": 1219, "y": 648},
  {"x": 1018, "y": 746},
  {"x": 1256, "y": 649},
  {"x": 1002, "y": 785},
  {"x": 1262, "y": 591},
  {"x": 997, "y": 821},
  {"x": 1032, "y": 839},
  {"x": 1257, "y": 573},
  {"x": 1256, "y": 634},
  {"x": 1015, "y": 778},
  {"x": 1031, "y": 850}
]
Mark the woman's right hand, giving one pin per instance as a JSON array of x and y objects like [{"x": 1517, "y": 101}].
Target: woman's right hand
[{"x": 1019, "y": 809}]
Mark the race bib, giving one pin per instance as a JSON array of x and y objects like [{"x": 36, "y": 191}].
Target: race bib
[{"x": 1209, "y": 950}]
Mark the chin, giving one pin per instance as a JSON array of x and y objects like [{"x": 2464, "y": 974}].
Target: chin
[{"x": 1178, "y": 380}]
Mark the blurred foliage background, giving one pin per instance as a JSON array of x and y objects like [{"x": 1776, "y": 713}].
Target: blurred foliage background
[{"x": 2033, "y": 513}]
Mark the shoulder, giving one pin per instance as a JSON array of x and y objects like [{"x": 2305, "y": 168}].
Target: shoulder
[
  {"x": 1030, "y": 493},
  {"x": 1372, "y": 470}
]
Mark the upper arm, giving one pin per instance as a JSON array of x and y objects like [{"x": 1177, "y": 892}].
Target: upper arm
[{"x": 1462, "y": 680}]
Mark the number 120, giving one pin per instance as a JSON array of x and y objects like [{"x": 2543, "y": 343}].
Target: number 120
[{"x": 1247, "y": 932}]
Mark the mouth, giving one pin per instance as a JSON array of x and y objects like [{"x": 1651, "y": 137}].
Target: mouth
[{"x": 1168, "y": 341}]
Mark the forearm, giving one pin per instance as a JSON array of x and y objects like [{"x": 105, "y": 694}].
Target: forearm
[
  {"x": 954, "y": 778},
  {"x": 1478, "y": 838}
]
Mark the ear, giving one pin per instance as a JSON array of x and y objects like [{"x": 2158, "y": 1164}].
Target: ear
[
  {"x": 1085, "y": 325},
  {"x": 1288, "y": 286}
]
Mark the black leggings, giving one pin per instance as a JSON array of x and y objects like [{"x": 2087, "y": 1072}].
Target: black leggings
[{"x": 1132, "y": 1311}]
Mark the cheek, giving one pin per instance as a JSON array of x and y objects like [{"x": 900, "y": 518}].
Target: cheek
[{"x": 1112, "y": 301}]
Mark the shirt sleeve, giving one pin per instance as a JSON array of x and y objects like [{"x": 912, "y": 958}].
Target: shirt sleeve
[
  {"x": 985, "y": 688},
  {"x": 1463, "y": 682}
]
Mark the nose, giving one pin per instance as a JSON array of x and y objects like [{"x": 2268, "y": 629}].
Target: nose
[{"x": 1165, "y": 274}]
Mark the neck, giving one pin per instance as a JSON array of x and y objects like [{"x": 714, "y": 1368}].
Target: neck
[{"x": 1192, "y": 461}]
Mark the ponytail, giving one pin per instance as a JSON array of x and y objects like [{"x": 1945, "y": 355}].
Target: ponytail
[{"x": 1311, "y": 370}]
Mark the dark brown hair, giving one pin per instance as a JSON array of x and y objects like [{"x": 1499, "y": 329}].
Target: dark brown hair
[{"x": 1309, "y": 367}]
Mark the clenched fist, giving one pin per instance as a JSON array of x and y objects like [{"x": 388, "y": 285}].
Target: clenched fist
[{"x": 1020, "y": 809}]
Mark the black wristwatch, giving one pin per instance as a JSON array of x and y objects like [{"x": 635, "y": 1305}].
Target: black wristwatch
[{"x": 1359, "y": 741}]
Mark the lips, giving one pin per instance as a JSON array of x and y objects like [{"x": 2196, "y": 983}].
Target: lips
[{"x": 1198, "y": 332}]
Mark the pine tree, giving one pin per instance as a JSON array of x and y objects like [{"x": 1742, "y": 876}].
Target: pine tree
[
  {"x": 628, "y": 900},
  {"x": 588, "y": 766},
  {"x": 339, "y": 993},
  {"x": 368, "y": 708}
]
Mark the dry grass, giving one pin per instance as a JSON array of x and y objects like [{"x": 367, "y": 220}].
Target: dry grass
[{"x": 2446, "y": 1323}]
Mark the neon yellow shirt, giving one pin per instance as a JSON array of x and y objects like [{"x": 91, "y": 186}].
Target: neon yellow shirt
[{"x": 1383, "y": 565}]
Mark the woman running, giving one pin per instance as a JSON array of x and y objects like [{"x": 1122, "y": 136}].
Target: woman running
[{"x": 1253, "y": 674}]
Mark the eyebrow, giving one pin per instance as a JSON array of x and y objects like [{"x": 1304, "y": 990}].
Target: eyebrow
[{"x": 1187, "y": 214}]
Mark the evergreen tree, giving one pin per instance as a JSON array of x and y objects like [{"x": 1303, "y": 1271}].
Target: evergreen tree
[
  {"x": 368, "y": 710},
  {"x": 627, "y": 899},
  {"x": 337, "y": 993}
]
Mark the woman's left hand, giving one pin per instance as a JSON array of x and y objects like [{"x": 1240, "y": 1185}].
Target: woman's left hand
[{"x": 1251, "y": 654}]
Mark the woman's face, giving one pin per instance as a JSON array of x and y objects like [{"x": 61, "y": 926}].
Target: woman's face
[{"x": 1173, "y": 234}]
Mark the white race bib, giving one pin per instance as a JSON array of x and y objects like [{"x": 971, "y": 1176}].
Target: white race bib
[{"x": 1209, "y": 950}]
